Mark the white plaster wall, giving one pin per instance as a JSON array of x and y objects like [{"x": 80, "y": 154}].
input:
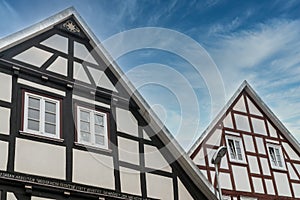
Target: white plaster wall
[
  {"x": 292, "y": 172},
  {"x": 39, "y": 198},
  {"x": 80, "y": 51},
  {"x": 224, "y": 163},
  {"x": 199, "y": 159},
  {"x": 259, "y": 126},
  {"x": 183, "y": 193},
  {"x": 126, "y": 122},
  {"x": 240, "y": 105},
  {"x": 146, "y": 136},
  {"x": 269, "y": 186},
  {"x": 5, "y": 87},
  {"x": 210, "y": 154},
  {"x": 3, "y": 155},
  {"x": 57, "y": 42},
  {"x": 93, "y": 169},
  {"x": 252, "y": 108},
  {"x": 130, "y": 181},
  {"x": 265, "y": 166},
  {"x": 291, "y": 153},
  {"x": 10, "y": 196},
  {"x": 215, "y": 138},
  {"x": 212, "y": 176},
  {"x": 128, "y": 150},
  {"x": 272, "y": 130},
  {"x": 282, "y": 184},
  {"x": 242, "y": 122},
  {"x": 79, "y": 73},
  {"x": 296, "y": 189},
  {"x": 249, "y": 145},
  {"x": 41, "y": 87},
  {"x": 40, "y": 159},
  {"x": 4, "y": 120},
  {"x": 204, "y": 172},
  {"x": 258, "y": 185},
  {"x": 253, "y": 164},
  {"x": 225, "y": 181},
  {"x": 90, "y": 101},
  {"x": 154, "y": 159},
  {"x": 241, "y": 178},
  {"x": 228, "y": 121},
  {"x": 101, "y": 79},
  {"x": 260, "y": 145},
  {"x": 159, "y": 187},
  {"x": 34, "y": 56},
  {"x": 59, "y": 66}
]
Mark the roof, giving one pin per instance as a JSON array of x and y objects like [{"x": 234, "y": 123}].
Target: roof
[
  {"x": 246, "y": 87},
  {"x": 164, "y": 135}
]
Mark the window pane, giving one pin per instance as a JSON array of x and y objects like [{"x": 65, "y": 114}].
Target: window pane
[
  {"x": 50, "y": 128},
  {"x": 34, "y": 114},
  {"x": 50, "y": 107},
  {"x": 49, "y": 117},
  {"x": 86, "y": 137},
  {"x": 232, "y": 149},
  {"x": 99, "y": 139},
  {"x": 84, "y": 116},
  {"x": 278, "y": 157},
  {"x": 34, "y": 103},
  {"x": 272, "y": 155},
  {"x": 99, "y": 119},
  {"x": 85, "y": 126},
  {"x": 33, "y": 125},
  {"x": 238, "y": 150},
  {"x": 99, "y": 129}
]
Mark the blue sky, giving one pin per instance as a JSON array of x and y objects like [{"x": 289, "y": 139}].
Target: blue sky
[{"x": 257, "y": 41}]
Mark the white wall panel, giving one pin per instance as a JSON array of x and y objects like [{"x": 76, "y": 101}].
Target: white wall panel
[
  {"x": 259, "y": 126},
  {"x": 296, "y": 189},
  {"x": 4, "y": 120},
  {"x": 130, "y": 181},
  {"x": 5, "y": 87},
  {"x": 210, "y": 154},
  {"x": 3, "y": 155},
  {"x": 282, "y": 184},
  {"x": 252, "y": 108},
  {"x": 272, "y": 130},
  {"x": 93, "y": 169},
  {"x": 260, "y": 145},
  {"x": 34, "y": 56},
  {"x": 146, "y": 136},
  {"x": 241, "y": 178},
  {"x": 224, "y": 163},
  {"x": 240, "y": 105},
  {"x": 242, "y": 122},
  {"x": 101, "y": 79},
  {"x": 40, "y": 159},
  {"x": 269, "y": 186},
  {"x": 227, "y": 122},
  {"x": 80, "y": 51},
  {"x": 291, "y": 153},
  {"x": 41, "y": 87},
  {"x": 265, "y": 166},
  {"x": 154, "y": 159},
  {"x": 183, "y": 193},
  {"x": 59, "y": 66},
  {"x": 249, "y": 145},
  {"x": 128, "y": 150},
  {"x": 215, "y": 138},
  {"x": 79, "y": 73},
  {"x": 57, "y": 42},
  {"x": 159, "y": 187},
  {"x": 258, "y": 185},
  {"x": 253, "y": 165},
  {"x": 225, "y": 181},
  {"x": 292, "y": 172},
  {"x": 40, "y": 198},
  {"x": 10, "y": 196},
  {"x": 199, "y": 159},
  {"x": 204, "y": 172},
  {"x": 126, "y": 122},
  {"x": 212, "y": 176}
]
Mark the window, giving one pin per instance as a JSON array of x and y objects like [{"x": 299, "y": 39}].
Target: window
[
  {"x": 235, "y": 149},
  {"x": 275, "y": 156},
  {"x": 41, "y": 115},
  {"x": 92, "y": 127}
]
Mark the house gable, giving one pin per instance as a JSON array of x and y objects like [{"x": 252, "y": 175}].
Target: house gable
[{"x": 247, "y": 127}]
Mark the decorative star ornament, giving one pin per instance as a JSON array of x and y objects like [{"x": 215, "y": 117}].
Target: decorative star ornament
[{"x": 70, "y": 26}]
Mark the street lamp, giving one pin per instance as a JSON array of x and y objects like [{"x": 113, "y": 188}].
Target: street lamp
[{"x": 216, "y": 159}]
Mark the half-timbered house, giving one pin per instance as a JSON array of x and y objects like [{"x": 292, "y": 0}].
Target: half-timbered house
[
  {"x": 72, "y": 128},
  {"x": 262, "y": 160}
]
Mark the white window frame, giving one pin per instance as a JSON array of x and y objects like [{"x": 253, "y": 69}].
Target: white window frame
[
  {"x": 238, "y": 139},
  {"x": 42, "y": 112},
  {"x": 92, "y": 127},
  {"x": 274, "y": 146},
  {"x": 248, "y": 198}
]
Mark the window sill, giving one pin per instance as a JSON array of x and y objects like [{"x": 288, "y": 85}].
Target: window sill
[
  {"x": 238, "y": 162},
  {"x": 92, "y": 147},
  {"x": 41, "y": 136}
]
